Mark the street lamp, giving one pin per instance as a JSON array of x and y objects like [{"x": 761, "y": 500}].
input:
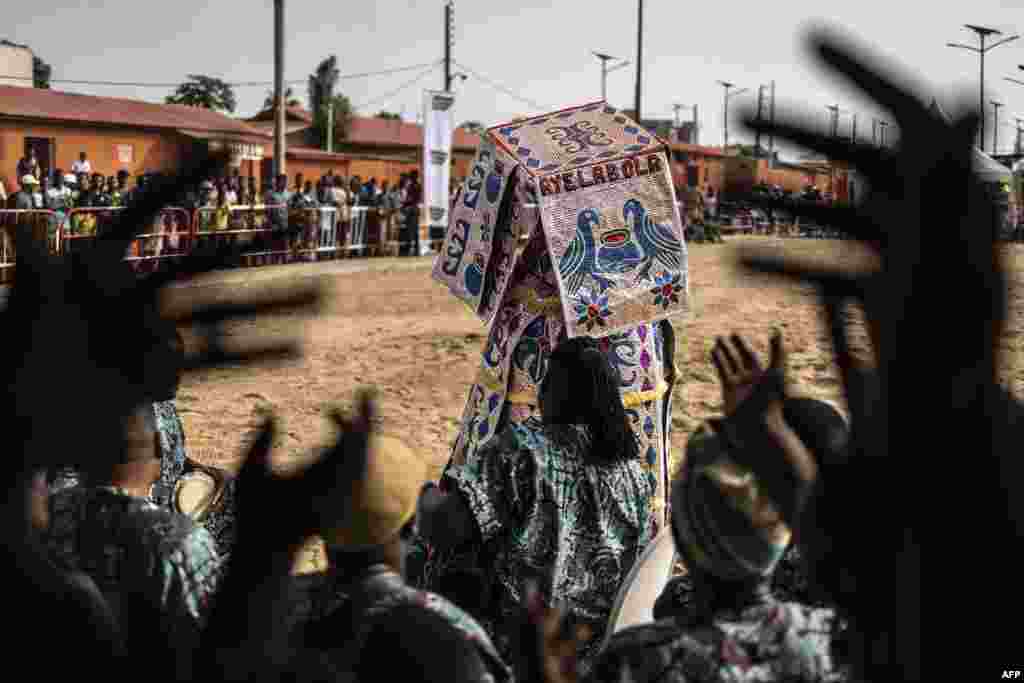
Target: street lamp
[
  {"x": 605, "y": 71},
  {"x": 995, "y": 126},
  {"x": 983, "y": 33},
  {"x": 728, "y": 96}
]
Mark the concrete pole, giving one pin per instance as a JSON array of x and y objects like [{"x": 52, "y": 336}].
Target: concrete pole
[
  {"x": 279, "y": 146},
  {"x": 771, "y": 136},
  {"x": 639, "y": 60}
]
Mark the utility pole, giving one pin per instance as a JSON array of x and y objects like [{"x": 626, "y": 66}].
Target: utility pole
[
  {"x": 279, "y": 146},
  {"x": 983, "y": 33},
  {"x": 771, "y": 136},
  {"x": 834, "y": 122},
  {"x": 696, "y": 127},
  {"x": 449, "y": 31},
  {"x": 883, "y": 125},
  {"x": 330, "y": 127},
  {"x": 725, "y": 112},
  {"x": 853, "y": 133},
  {"x": 995, "y": 126},
  {"x": 675, "y": 114},
  {"x": 1017, "y": 148},
  {"x": 639, "y": 59},
  {"x": 760, "y": 108},
  {"x": 605, "y": 71}
]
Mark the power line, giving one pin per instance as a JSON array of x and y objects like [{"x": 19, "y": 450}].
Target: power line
[
  {"x": 237, "y": 84},
  {"x": 397, "y": 90},
  {"x": 501, "y": 88}
]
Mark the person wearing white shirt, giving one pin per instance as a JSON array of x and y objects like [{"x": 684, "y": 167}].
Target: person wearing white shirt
[{"x": 82, "y": 165}]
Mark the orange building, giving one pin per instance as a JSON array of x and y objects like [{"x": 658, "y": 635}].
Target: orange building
[
  {"x": 372, "y": 147},
  {"x": 697, "y": 166},
  {"x": 116, "y": 134}
]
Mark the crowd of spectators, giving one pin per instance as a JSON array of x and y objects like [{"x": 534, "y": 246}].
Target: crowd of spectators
[{"x": 118, "y": 582}]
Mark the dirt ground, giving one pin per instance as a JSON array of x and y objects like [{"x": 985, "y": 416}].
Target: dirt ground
[{"x": 387, "y": 324}]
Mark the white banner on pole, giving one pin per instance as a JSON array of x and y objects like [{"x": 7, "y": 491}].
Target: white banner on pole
[{"x": 437, "y": 154}]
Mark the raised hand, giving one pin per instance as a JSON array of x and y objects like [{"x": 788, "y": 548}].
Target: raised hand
[
  {"x": 738, "y": 370},
  {"x": 305, "y": 502},
  {"x": 933, "y": 228},
  {"x": 86, "y": 324}
]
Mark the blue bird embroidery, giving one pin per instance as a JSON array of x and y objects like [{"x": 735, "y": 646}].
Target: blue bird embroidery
[
  {"x": 580, "y": 259},
  {"x": 659, "y": 244}
]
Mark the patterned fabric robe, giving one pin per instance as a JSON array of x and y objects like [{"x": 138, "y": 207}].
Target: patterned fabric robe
[
  {"x": 547, "y": 512},
  {"x": 764, "y": 641}
]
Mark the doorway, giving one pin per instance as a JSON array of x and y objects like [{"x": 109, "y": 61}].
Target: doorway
[{"x": 46, "y": 153}]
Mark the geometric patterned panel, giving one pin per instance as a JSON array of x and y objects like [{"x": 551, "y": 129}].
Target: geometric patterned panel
[{"x": 573, "y": 137}]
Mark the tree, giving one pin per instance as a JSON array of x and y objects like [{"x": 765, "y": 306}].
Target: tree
[
  {"x": 322, "y": 83},
  {"x": 41, "y": 72},
  {"x": 472, "y": 127},
  {"x": 321, "y": 93},
  {"x": 389, "y": 115},
  {"x": 206, "y": 92},
  {"x": 289, "y": 98},
  {"x": 342, "y": 118}
]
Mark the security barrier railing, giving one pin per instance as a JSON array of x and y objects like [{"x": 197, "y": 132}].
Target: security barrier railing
[{"x": 43, "y": 224}]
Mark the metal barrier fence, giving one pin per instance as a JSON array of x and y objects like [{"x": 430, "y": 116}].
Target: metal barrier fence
[
  {"x": 168, "y": 236},
  {"x": 43, "y": 223}
]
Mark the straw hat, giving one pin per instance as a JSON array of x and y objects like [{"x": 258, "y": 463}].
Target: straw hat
[{"x": 385, "y": 500}]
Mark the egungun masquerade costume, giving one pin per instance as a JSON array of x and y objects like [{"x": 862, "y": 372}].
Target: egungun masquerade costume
[{"x": 592, "y": 193}]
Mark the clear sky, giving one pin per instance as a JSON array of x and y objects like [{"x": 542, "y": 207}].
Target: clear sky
[{"x": 541, "y": 51}]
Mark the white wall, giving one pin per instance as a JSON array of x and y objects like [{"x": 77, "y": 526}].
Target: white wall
[{"x": 15, "y": 66}]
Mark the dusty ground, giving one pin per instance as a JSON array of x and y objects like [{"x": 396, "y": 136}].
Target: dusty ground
[{"x": 387, "y": 324}]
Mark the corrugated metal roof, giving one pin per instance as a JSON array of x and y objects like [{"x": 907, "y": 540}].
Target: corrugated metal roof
[
  {"x": 35, "y": 103},
  {"x": 365, "y": 130}
]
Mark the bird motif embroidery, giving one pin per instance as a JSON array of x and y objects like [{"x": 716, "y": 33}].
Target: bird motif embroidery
[
  {"x": 658, "y": 242},
  {"x": 616, "y": 254}
]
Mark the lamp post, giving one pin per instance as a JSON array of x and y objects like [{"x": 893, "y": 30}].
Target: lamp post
[
  {"x": 983, "y": 33},
  {"x": 693, "y": 123},
  {"x": 605, "y": 71},
  {"x": 995, "y": 126},
  {"x": 639, "y": 59},
  {"x": 728, "y": 96}
]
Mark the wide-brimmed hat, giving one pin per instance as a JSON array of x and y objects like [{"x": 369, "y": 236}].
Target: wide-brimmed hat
[{"x": 385, "y": 500}]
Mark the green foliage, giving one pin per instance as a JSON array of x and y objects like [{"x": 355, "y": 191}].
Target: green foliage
[
  {"x": 289, "y": 98},
  {"x": 206, "y": 92},
  {"x": 342, "y": 119},
  {"x": 389, "y": 115},
  {"x": 472, "y": 127},
  {"x": 41, "y": 72}
]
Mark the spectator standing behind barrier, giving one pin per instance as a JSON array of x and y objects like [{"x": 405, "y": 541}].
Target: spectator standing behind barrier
[
  {"x": 22, "y": 199},
  {"x": 58, "y": 200},
  {"x": 252, "y": 195},
  {"x": 29, "y": 166},
  {"x": 410, "y": 236},
  {"x": 82, "y": 165},
  {"x": 39, "y": 193}
]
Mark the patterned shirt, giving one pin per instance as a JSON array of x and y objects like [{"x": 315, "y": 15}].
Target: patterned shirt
[
  {"x": 763, "y": 642},
  {"x": 382, "y": 590},
  {"x": 172, "y": 457},
  {"x": 546, "y": 512},
  {"x": 134, "y": 549}
]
